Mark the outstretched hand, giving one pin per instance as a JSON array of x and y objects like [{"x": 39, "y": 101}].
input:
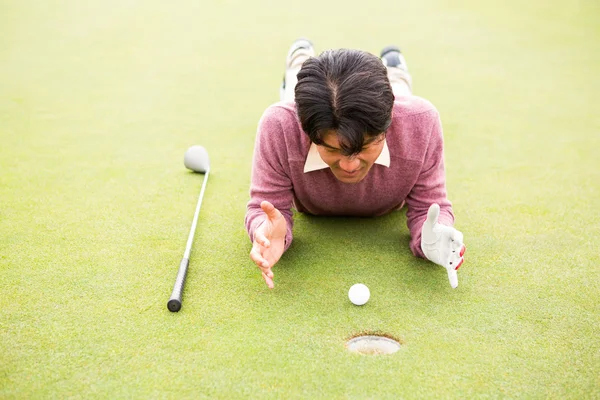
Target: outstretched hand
[
  {"x": 269, "y": 242},
  {"x": 442, "y": 244}
]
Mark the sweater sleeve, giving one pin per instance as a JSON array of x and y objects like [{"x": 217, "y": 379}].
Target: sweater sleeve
[
  {"x": 430, "y": 186},
  {"x": 270, "y": 179}
]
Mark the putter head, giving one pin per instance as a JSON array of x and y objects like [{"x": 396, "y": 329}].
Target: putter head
[{"x": 196, "y": 159}]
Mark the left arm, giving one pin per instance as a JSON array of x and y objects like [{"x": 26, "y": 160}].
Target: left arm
[
  {"x": 429, "y": 215},
  {"x": 430, "y": 187}
]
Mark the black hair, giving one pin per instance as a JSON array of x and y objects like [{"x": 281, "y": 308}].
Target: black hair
[{"x": 346, "y": 91}]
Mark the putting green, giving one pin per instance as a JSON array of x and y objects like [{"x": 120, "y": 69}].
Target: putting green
[{"x": 99, "y": 102}]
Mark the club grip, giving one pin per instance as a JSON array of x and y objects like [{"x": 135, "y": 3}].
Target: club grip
[{"x": 174, "y": 303}]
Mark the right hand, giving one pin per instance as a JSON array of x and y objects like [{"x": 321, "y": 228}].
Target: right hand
[{"x": 269, "y": 242}]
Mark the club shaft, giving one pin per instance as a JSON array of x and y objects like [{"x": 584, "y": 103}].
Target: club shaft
[
  {"x": 188, "y": 247},
  {"x": 174, "y": 303}
]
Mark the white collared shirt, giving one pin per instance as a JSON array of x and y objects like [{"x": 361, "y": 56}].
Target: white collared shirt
[{"x": 314, "y": 161}]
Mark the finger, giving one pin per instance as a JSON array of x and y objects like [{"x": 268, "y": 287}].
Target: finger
[
  {"x": 433, "y": 213},
  {"x": 460, "y": 262},
  {"x": 453, "y": 278},
  {"x": 453, "y": 261},
  {"x": 268, "y": 281},
  {"x": 456, "y": 247},
  {"x": 260, "y": 261},
  {"x": 457, "y": 236},
  {"x": 268, "y": 272},
  {"x": 270, "y": 210},
  {"x": 261, "y": 239},
  {"x": 258, "y": 258}
]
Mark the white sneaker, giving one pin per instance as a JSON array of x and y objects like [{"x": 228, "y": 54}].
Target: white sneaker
[
  {"x": 391, "y": 56},
  {"x": 299, "y": 51},
  {"x": 397, "y": 70}
]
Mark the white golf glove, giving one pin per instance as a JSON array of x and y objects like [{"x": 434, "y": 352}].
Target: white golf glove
[{"x": 442, "y": 244}]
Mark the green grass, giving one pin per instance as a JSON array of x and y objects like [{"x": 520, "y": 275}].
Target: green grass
[{"x": 101, "y": 99}]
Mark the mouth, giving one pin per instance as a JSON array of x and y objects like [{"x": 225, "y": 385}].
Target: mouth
[{"x": 350, "y": 174}]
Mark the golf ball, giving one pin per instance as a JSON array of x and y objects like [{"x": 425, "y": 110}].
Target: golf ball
[{"x": 359, "y": 294}]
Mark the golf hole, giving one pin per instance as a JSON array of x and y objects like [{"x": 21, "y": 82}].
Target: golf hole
[{"x": 373, "y": 345}]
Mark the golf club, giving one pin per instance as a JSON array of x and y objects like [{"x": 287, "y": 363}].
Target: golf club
[{"x": 196, "y": 159}]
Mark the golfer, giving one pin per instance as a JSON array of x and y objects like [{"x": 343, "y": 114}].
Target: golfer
[{"x": 348, "y": 138}]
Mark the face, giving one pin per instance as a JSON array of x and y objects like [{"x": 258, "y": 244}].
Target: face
[{"x": 354, "y": 168}]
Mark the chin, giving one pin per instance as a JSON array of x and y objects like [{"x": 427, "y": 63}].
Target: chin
[{"x": 352, "y": 179}]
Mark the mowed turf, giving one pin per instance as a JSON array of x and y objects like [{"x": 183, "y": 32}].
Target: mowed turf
[{"x": 100, "y": 100}]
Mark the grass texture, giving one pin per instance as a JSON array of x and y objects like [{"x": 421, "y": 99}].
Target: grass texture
[{"x": 99, "y": 101}]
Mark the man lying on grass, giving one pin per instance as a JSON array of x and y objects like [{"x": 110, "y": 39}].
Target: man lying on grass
[{"x": 350, "y": 139}]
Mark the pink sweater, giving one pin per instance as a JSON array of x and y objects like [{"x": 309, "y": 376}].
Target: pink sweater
[{"x": 415, "y": 176}]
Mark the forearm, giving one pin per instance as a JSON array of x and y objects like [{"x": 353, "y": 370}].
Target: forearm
[
  {"x": 430, "y": 188},
  {"x": 270, "y": 180}
]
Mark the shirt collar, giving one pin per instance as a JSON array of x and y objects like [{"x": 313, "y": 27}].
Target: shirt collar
[{"x": 314, "y": 161}]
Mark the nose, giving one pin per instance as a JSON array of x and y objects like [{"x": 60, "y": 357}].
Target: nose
[{"x": 349, "y": 164}]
